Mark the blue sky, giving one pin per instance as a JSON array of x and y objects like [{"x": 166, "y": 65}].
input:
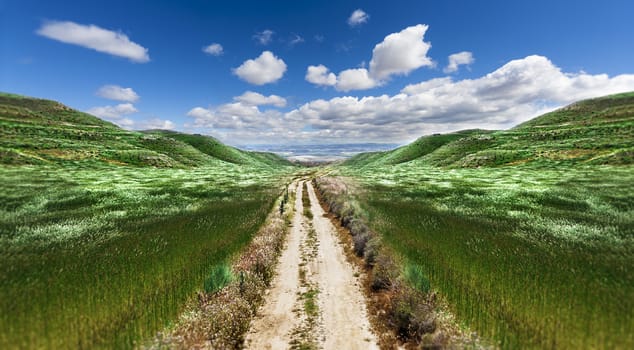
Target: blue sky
[{"x": 141, "y": 64}]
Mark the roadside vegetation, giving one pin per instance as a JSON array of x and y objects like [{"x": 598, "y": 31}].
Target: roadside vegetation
[
  {"x": 405, "y": 308},
  {"x": 527, "y": 233},
  {"x": 219, "y": 317}
]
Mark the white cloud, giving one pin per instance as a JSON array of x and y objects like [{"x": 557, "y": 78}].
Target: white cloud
[
  {"x": 117, "y": 93},
  {"x": 263, "y": 70},
  {"x": 115, "y": 114},
  {"x": 251, "y": 98},
  {"x": 458, "y": 59},
  {"x": 264, "y": 37},
  {"x": 155, "y": 124},
  {"x": 400, "y": 53},
  {"x": 96, "y": 38},
  {"x": 296, "y": 39},
  {"x": 358, "y": 17},
  {"x": 320, "y": 75},
  {"x": 214, "y": 49},
  {"x": 237, "y": 117},
  {"x": 355, "y": 79},
  {"x": 514, "y": 93}
]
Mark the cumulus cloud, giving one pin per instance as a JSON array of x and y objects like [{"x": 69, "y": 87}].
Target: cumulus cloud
[
  {"x": 519, "y": 90},
  {"x": 96, "y": 38},
  {"x": 155, "y": 124},
  {"x": 264, "y": 37},
  {"x": 214, "y": 49},
  {"x": 398, "y": 54},
  {"x": 251, "y": 98},
  {"x": 355, "y": 79},
  {"x": 117, "y": 93},
  {"x": 267, "y": 68},
  {"x": 458, "y": 59},
  {"x": 237, "y": 117},
  {"x": 115, "y": 114},
  {"x": 357, "y": 18},
  {"x": 320, "y": 75}
]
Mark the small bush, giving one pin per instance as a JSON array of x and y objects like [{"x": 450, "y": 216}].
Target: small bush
[
  {"x": 219, "y": 277},
  {"x": 358, "y": 227},
  {"x": 230, "y": 322},
  {"x": 372, "y": 251},
  {"x": 410, "y": 314},
  {"x": 360, "y": 241},
  {"x": 384, "y": 273}
]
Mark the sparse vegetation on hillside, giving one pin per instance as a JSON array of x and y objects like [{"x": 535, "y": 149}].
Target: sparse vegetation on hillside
[
  {"x": 598, "y": 131},
  {"x": 35, "y": 131}
]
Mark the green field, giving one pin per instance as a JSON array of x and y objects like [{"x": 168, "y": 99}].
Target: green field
[
  {"x": 105, "y": 233},
  {"x": 528, "y": 233}
]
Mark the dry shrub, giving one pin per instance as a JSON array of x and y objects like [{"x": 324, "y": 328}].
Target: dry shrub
[
  {"x": 230, "y": 318},
  {"x": 385, "y": 273},
  {"x": 411, "y": 315},
  {"x": 372, "y": 251},
  {"x": 359, "y": 243}
]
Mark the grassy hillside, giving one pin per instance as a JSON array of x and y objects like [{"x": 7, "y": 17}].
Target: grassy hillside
[
  {"x": 528, "y": 233},
  {"x": 36, "y": 131},
  {"x": 106, "y": 233},
  {"x": 596, "y": 131}
]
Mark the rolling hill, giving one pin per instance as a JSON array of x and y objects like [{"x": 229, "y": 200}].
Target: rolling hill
[
  {"x": 37, "y": 131},
  {"x": 594, "y": 131}
]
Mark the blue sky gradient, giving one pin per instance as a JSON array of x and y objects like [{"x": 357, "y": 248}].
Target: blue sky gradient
[{"x": 575, "y": 37}]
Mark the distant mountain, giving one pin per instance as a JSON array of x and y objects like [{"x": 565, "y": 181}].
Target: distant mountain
[
  {"x": 594, "y": 131},
  {"x": 37, "y": 131}
]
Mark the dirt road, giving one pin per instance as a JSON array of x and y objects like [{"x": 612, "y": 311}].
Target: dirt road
[{"x": 315, "y": 300}]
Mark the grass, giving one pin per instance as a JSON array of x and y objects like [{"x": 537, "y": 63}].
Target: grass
[
  {"x": 108, "y": 256},
  {"x": 310, "y": 302},
  {"x": 219, "y": 277},
  {"x": 308, "y": 213},
  {"x": 105, "y": 234},
  {"x": 528, "y": 233}
]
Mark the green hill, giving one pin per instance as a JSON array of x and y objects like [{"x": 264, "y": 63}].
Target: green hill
[
  {"x": 37, "y": 131},
  {"x": 595, "y": 131}
]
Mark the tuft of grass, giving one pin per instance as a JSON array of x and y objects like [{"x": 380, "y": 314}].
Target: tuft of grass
[
  {"x": 306, "y": 203},
  {"x": 219, "y": 277},
  {"x": 310, "y": 302},
  {"x": 417, "y": 278}
]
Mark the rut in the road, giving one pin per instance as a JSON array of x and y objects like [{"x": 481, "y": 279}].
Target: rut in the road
[{"x": 312, "y": 265}]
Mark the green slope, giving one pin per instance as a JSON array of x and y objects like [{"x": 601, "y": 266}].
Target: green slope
[
  {"x": 212, "y": 147},
  {"x": 36, "y": 131},
  {"x": 595, "y": 131}
]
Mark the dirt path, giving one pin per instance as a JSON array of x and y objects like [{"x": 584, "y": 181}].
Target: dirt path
[
  {"x": 315, "y": 300},
  {"x": 272, "y": 328}
]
